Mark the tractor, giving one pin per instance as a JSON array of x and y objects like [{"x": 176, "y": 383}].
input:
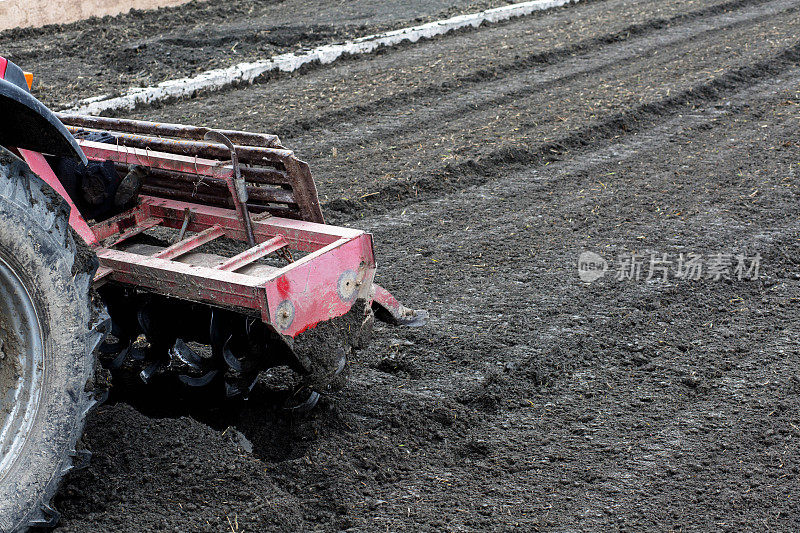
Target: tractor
[{"x": 194, "y": 255}]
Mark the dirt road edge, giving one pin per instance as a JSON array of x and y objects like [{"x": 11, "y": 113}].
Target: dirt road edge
[{"x": 217, "y": 79}]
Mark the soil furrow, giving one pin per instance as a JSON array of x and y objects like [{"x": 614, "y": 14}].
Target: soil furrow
[
  {"x": 479, "y": 170},
  {"x": 305, "y": 98},
  {"x": 108, "y": 55},
  {"x": 558, "y": 211},
  {"x": 533, "y": 400},
  {"x": 494, "y": 74},
  {"x": 514, "y": 126},
  {"x": 494, "y": 94}
]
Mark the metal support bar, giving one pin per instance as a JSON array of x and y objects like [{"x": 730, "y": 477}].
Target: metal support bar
[
  {"x": 194, "y": 183},
  {"x": 247, "y": 154},
  {"x": 187, "y": 245},
  {"x": 136, "y": 230},
  {"x": 305, "y": 191},
  {"x": 253, "y": 254},
  {"x": 119, "y": 223},
  {"x": 301, "y": 235},
  {"x": 137, "y": 156},
  {"x": 195, "y": 283},
  {"x": 101, "y": 273}
]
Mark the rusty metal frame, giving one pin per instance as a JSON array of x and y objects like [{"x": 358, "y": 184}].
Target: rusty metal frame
[
  {"x": 192, "y": 189},
  {"x": 182, "y": 166},
  {"x": 190, "y": 186}
]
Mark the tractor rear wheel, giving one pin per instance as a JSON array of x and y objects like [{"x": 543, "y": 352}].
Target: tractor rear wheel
[{"x": 49, "y": 328}]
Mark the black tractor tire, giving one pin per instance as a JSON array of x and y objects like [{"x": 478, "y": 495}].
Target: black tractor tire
[{"x": 50, "y": 325}]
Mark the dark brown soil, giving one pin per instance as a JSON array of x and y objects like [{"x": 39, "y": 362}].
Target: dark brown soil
[
  {"x": 110, "y": 54},
  {"x": 484, "y": 163}
]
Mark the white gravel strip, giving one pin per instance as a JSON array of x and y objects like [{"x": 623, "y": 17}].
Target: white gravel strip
[{"x": 247, "y": 72}]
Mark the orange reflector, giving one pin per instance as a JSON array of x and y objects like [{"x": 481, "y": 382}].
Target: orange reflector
[{"x": 28, "y": 79}]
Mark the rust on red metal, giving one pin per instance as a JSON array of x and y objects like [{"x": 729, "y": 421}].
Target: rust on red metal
[
  {"x": 190, "y": 186},
  {"x": 213, "y": 186},
  {"x": 199, "y": 166},
  {"x": 257, "y": 178},
  {"x": 199, "y": 179},
  {"x": 184, "y": 167},
  {"x": 321, "y": 285},
  {"x": 179, "y": 280},
  {"x": 145, "y": 225},
  {"x": 165, "y": 129},
  {"x": 120, "y": 223},
  {"x": 248, "y": 154}
]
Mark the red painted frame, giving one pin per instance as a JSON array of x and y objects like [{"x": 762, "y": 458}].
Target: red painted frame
[
  {"x": 339, "y": 267},
  {"x": 292, "y": 299},
  {"x": 41, "y": 168}
]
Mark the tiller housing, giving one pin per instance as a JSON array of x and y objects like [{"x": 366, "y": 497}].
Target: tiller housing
[{"x": 286, "y": 272}]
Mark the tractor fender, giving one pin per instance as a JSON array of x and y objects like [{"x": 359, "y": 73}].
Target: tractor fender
[{"x": 27, "y": 123}]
